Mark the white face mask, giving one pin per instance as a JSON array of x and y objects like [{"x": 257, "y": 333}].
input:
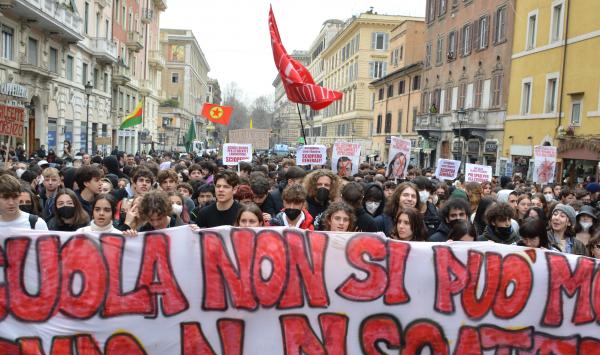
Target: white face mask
[
  {"x": 372, "y": 206},
  {"x": 20, "y": 172},
  {"x": 549, "y": 197},
  {"x": 424, "y": 196},
  {"x": 177, "y": 209},
  {"x": 586, "y": 226}
]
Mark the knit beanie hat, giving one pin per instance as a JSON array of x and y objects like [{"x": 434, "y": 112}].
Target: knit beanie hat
[{"x": 568, "y": 210}]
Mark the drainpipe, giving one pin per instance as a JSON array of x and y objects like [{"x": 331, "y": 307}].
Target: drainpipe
[{"x": 564, "y": 64}]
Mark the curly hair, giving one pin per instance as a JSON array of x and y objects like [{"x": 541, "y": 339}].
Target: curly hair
[
  {"x": 501, "y": 211},
  {"x": 155, "y": 202},
  {"x": 310, "y": 183},
  {"x": 336, "y": 207},
  {"x": 393, "y": 205}
]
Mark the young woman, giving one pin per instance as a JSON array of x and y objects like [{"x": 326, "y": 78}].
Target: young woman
[
  {"x": 561, "y": 234},
  {"x": 536, "y": 212},
  {"x": 405, "y": 195},
  {"x": 486, "y": 189},
  {"x": 523, "y": 204},
  {"x": 533, "y": 233},
  {"x": 249, "y": 215},
  {"x": 460, "y": 232},
  {"x": 474, "y": 193},
  {"x": 103, "y": 210},
  {"x": 409, "y": 225},
  {"x": 29, "y": 202},
  {"x": 585, "y": 220},
  {"x": 538, "y": 200},
  {"x": 179, "y": 207},
  {"x": 593, "y": 247},
  {"x": 68, "y": 214},
  {"x": 478, "y": 220},
  {"x": 339, "y": 217},
  {"x": 106, "y": 187}
]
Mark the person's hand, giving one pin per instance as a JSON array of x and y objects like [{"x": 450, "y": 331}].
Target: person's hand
[
  {"x": 131, "y": 215},
  {"x": 130, "y": 233},
  {"x": 194, "y": 228},
  {"x": 266, "y": 217}
]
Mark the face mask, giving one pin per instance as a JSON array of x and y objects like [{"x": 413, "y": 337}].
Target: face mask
[
  {"x": 424, "y": 196},
  {"x": 177, "y": 209},
  {"x": 28, "y": 207},
  {"x": 372, "y": 206},
  {"x": 435, "y": 199},
  {"x": 20, "y": 172},
  {"x": 66, "y": 211},
  {"x": 292, "y": 213},
  {"x": 322, "y": 194},
  {"x": 586, "y": 226},
  {"x": 549, "y": 197},
  {"x": 504, "y": 232}
]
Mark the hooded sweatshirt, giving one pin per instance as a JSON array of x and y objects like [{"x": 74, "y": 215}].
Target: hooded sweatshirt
[
  {"x": 489, "y": 234},
  {"x": 502, "y": 195},
  {"x": 381, "y": 206}
]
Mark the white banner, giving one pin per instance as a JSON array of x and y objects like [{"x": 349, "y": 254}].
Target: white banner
[
  {"x": 345, "y": 158},
  {"x": 399, "y": 158},
  {"x": 234, "y": 153},
  {"x": 285, "y": 291},
  {"x": 477, "y": 173},
  {"x": 311, "y": 155},
  {"x": 544, "y": 164},
  {"x": 447, "y": 169}
]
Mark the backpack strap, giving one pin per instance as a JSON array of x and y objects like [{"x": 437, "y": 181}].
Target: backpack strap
[{"x": 32, "y": 220}]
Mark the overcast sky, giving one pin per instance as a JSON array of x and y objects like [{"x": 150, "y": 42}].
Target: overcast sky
[{"x": 234, "y": 36}]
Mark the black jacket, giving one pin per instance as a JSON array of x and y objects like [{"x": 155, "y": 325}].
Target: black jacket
[
  {"x": 489, "y": 234},
  {"x": 315, "y": 208},
  {"x": 365, "y": 222},
  {"x": 441, "y": 233},
  {"x": 379, "y": 210},
  {"x": 431, "y": 218},
  {"x": 275, "y": 201}
]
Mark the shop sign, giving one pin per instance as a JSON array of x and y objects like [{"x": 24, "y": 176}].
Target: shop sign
[
  {"x": 14, "y": 90},
  {"x": 490, "y": 147}
]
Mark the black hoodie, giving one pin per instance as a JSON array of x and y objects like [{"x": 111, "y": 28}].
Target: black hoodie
[{"x": 381, "y": 206}]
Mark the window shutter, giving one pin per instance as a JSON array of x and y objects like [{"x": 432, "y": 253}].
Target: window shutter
[
  {"x": 476, "y": 34},
  {"x": 372, "y": 69},
  {"x": 373, "y": 40},
  {"x": 486, "y": 33},
  {"x": 384, "y": 69},
  {"x": 386, "y": 38}
]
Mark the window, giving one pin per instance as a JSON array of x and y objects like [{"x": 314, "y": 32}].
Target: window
[
  {"x": 462, "y": 94},
  {"x": 401, "y": 52},
  {"x": 380, "y": 41},
  {"x": 377, "y": 69},
  {"x": 531, "y": 31},
  {"x": 439, "y": 51},
  {"x": 394, "y": 56},
  {"x": 399, "y": 127},
  {"x": 448, "y": 99},
  {"x": 105, "y": 83},
  {"x": 551, "y": 93},
  {"x": 478, "y": 92},
  {"x": 451, "y": 45},
  {"x": 556, "y": 27},
  {"x": 482, "y": 30},
  {"x": 576, "y": 106},
  {"x": 428, "y": 55},
  {"x": 497, "y": 90},
  {"x": 500, "y": 25},
  {"x": 466, "y": 40},
  {"x": 390, "y": 91},
  {"x": 96, "y": 80},
  {"x": 32, "y": 51},
  {"x": 388, "y": 122},
  {"x": 53, "y": 60},
  {"x": 84, "y": 73},
  {"x": 416, "y": 83},
  {"x": 69, "y": 69},
  {"x": 86, "y": 18},
  {"x": 380, "y": 97},
  {"x": 526, "y": 96},
  {"x": 7, "y": 42},
  {"x": 436, "y": 100},
  {"x": 414, "y": 118},
  {"x": 379, "y": 118},
  {"x": 442, "y": 7},
  {"x": 431, "y": 10},
  {"x": 174, "y": 78},
  {"x": 401, "y": 87}
]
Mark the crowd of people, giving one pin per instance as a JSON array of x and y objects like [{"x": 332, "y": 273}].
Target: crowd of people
[{"x": 125, "y": 193}]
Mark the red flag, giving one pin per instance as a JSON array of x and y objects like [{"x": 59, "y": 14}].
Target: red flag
[
  {"x": 297, "y": 81},
  {"x": 217, "y": 114}
]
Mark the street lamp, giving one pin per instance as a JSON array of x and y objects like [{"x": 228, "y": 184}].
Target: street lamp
[
  {"x": 460, "y": 115},
  {"x": 88, "y": 92}
]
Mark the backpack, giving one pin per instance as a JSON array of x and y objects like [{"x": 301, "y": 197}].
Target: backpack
[{"x": 32, "y": 220}]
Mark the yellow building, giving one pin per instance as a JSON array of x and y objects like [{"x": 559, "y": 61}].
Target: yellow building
[
  {"x": 554, "y": 70},
  {"x": 357, "y": 55},
  {"x": 397, "y": 95}
]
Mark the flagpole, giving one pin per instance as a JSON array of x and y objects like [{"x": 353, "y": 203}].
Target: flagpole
[{"x": 301, "y": 124}]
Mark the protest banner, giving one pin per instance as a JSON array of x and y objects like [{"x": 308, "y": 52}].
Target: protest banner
[
  {"x": 12, "y": 121},
  {"x": 447, "y": 169},
  {"x": 311, "y": 155},
  {"x": 286, "y": 291},
  {"x": 345, "y": 158},
  {"x": 259, "y": 138},
  {"x": 235, "y": 153},
  {"x": 477, "y": 173},
  {"x": 399, "y": 157},
  {"x": 544, "y": 164}
]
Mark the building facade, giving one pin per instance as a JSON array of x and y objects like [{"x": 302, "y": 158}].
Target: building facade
[
  {"x": 397, "y": 95},
  {"x": 185, "y": 88},
  {"x": 465, "y": 87},
  {"x": 555, "y": 87}
]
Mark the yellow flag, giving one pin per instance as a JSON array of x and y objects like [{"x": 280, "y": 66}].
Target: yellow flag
[{"x": 250, "y": 123}]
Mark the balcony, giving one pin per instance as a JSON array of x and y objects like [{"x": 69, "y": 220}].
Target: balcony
[
  {"x": 120, "y": 75},
  {"x": 135, "y": 41},
  {"x": 161, "y": 5},
  {"x": 103, "y": 3},
  {"x": 146, "y": 88},
  {"x": 35, "y": 70},
  {"x": 429, "y": 126},
  {"x": 104, "y": 50},
  {"x": 147, "y": 15},
  {"x": 469, "y": 123},
  {"x": 51, "y": 16},
  {"x": 156, "y": 60}
]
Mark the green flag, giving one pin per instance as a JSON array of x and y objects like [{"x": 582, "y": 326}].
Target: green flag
[{"x": 190, "y": 137}]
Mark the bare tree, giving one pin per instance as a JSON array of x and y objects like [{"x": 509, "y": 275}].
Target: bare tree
[{"x": 262, "y": 112}]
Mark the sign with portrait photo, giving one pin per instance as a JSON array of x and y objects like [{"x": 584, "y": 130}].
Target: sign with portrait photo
[
  {"x": 345, "y": 158},
  {"x": 398, "y": 158}
]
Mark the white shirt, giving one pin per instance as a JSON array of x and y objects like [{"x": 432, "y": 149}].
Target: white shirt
[{"x": 23, "y": 222}]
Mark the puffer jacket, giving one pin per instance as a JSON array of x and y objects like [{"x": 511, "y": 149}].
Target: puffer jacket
[{"x": 307, "y": 224}]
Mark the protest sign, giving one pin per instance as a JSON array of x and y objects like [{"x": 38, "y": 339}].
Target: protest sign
[
  {"x": 477, "y": 173},
  {"x": 311, "y": 155},
  {"x": 259, "y": 138},
  {"x": 286, "y": 291},
  {"x": 235, "y": 153},
  {"x": 399, "y": 157},
  {"x": 447, "y": 169},
  {"x": 345, "y": 158},
  {"x": 12, "y": 121},
  {"x": 544, "y": 164}
]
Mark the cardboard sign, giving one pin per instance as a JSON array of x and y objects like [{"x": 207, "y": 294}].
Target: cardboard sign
[
  {"x": 259, "y": 138},
  {"x": 235, "y": 153},
  {"x": 399, "y": 158},
  {"x": 284, "y": 291},
  {"x": 311, "y": 155},
  {"x": 345, "y": 158},
  {"x": 12, "y": 121},
  {"x": 447, "y": 169},
  {"x": 544, "y": 164},
  {"x": 478, "y": 173}
]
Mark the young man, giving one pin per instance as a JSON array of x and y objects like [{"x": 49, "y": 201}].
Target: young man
[
  {"x": 294, "y": 214},
  {"x": 454, "y": 209},
  {"x": 293, "y": 175},
  {"x": 322, "y": 189},
  {"x": 206, "y": 195},
  {"x": 245, "y": 170},
  {"x": 260, "y": 187},
  {"x": 167, "y": 179},
  {"x": 499, "y": 228},
  {"x": 223, "y": 212},
  {"x": 10, "y": 214},
  {"x": 195, "y": 173},
  {"x": 88, "y": 180},
  {"x": 51, "y": 184},
  {"x": 352, "y": 194}
]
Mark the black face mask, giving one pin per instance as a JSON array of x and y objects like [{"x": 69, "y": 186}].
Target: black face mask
[
  {"x": 66, "y": 212},
  {"x": 292, "y": 213},
  {"x": 27, "y": 207},
  {"x": 322, "y": 195},
  {"x": 503, "y": 232}
]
